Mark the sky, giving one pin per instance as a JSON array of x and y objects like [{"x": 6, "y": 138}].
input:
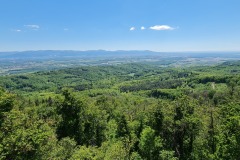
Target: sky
[{"x": 157, "y": 25}]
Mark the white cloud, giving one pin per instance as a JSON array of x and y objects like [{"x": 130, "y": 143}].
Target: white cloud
[
  {"x": 17, "y": 30},
  {"x": 161, "y": 27},
  {"x": 143, "y": 28},
  {"x": 132, "y": 28},
  {"x": 32, "y": 26}
]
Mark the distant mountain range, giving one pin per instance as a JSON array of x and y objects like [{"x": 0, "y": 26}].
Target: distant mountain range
[
  {"x": 59, "y": 54},
  {"x": 52, "y": 54}
]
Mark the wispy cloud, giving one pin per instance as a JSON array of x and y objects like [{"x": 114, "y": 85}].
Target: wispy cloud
[
  {"x": 132, "y": 28},
  {"x": 32, "y": 26},
  {"x": 161, "y": 27},
  {"x": 16, "y": 30},
  {"x": 143, "y": 28}
]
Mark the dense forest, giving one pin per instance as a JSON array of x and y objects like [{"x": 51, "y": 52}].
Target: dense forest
[{"x": 129, "y": 111}]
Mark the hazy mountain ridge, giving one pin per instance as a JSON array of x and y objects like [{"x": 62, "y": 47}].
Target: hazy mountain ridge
[
  {"x": 71, "y": 53},
  {"x": 45, "y": 54}
]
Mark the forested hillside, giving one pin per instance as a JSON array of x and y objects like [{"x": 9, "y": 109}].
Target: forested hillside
[{"x": 129, "y": 111}]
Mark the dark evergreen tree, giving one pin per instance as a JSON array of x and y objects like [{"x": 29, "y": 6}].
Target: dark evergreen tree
[
  {"x": 122, "y": 127},
  {"x": 72, "y": 113}
]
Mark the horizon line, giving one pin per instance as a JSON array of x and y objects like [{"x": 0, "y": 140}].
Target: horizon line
[{"x": 194, "y": 51}]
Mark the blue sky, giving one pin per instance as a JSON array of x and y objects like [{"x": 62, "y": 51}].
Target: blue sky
[{"x": 158, "y": 25}]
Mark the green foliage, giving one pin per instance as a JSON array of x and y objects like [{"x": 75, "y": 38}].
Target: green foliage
[
  {"x": 72, "y": 113},
  {"x": 229, "y": 138},
  {"x": 65, "y": 148},
  {"x": 24, "y": 136},
  {"x": 83, "y": 152},
  {"x": 122, "y": 128},
  {"x": 115, "y": 150},
  {"x": 187, "y": 126},
  {"x": 129, "y": 111},
  {"x": 147, "y": 142},
  {"x": 135, "y": 156},
  {"x": 167, "y": 155},
  {"x": 6, "y": 103}
]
